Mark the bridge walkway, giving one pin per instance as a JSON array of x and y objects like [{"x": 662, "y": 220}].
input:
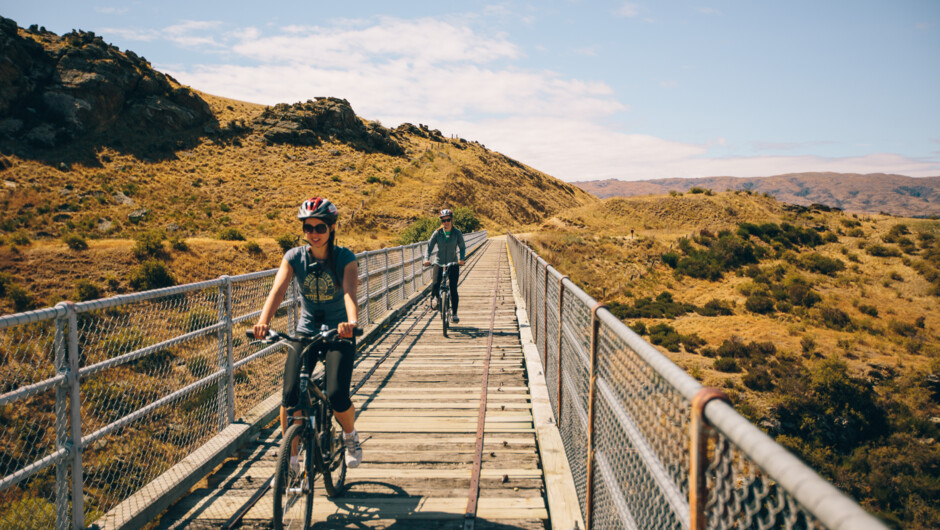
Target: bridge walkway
[{"x": 417, "y": 416}]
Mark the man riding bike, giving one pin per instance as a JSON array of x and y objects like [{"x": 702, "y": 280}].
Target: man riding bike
[{"x": 448, "y": 241}]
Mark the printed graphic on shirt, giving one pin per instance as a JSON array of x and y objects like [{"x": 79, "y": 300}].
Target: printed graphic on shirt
[{"x": 319, "y": 287}]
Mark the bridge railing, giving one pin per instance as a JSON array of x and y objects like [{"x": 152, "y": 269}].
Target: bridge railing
[
  {"x": 99, "y": 398},
  {"x": 648, "y": 446}
]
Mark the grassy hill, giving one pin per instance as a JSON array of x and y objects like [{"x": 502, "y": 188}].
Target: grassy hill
[
  {"x": 239, "y": 171},
  {"x": 871, "y": 193},
  {"x": 821, "y": 325}
]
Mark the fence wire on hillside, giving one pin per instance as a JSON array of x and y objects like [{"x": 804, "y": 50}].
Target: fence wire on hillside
[
  {"x": 639, "y": 456},
  {"x": 99, "y": 398}
]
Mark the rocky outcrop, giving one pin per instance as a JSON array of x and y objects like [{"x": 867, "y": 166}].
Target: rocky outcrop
[
  {"x": 324, "y": 119},
  {"x": 54, "y": 90}
]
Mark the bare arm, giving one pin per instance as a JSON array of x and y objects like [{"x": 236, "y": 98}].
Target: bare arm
[
  {"x": 284, "y": 275},
  {"x": 351, "y": 298}
]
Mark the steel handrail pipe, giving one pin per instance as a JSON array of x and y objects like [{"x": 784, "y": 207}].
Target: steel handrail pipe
[
  {"x": 47, "y": 461},
  {"x": 133, "y": 416},
  {"x": 143, "y": 352},
  {"x": 24, "y": 392},
  {"x": 248, "y": 276},
  {"x": 124, "y": 299},
  {"x": 28, "y": 317},
  {"x": 832, "y": 507},
  {"x": 264, "y": 352},
  {"x": 253, "y": 314}
]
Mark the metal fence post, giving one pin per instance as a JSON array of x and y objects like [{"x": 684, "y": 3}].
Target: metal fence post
[
  {"x": 589, "y": 496},
  {"x": 293, "y": 307},
  {"x": 75, "y": 420},
  {"x": 387, "y": 294},
  {"x": 61, "y": 424},
  {"x": 368, "y": 296},
  {"x": 698, "y": 455},
  {"x": 404, "y": 292},
  {"x": 228, "y": 360},
  {"x": 561, "y": 299}
]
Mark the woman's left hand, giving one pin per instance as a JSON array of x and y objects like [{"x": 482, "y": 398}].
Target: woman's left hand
[{"x": 346, "y": 330}]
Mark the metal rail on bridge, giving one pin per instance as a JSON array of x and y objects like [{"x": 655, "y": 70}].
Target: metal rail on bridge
[
  {"x": 99, "y": 398},
  {"x": 648, "y": 446}
]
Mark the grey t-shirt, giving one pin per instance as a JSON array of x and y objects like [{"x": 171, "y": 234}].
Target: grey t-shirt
[
  {"x": 321, "y": 290},
  {"x": 447, "y": 246}
]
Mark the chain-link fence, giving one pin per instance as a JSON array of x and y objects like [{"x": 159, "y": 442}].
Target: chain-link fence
[
  {"x": 99, "y": 398},
  {"x": 648, "y": 446}
]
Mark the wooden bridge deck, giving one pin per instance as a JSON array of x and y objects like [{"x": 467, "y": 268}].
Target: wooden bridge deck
[{"x": 417, "y": 417}]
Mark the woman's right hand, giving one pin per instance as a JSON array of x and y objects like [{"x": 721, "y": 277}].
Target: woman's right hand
[
  {"x": 260, "y": 330},
  {"x": 427, "y": 263}
]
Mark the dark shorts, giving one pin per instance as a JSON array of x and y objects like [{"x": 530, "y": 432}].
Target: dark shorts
[{"x": 339, "y": 367}]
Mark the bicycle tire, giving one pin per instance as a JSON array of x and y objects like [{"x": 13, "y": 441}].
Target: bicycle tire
[
  {"x": 445, "y": 307},
  {"x": 293, "y": 493},
  {"x": 334, "y": 479}
]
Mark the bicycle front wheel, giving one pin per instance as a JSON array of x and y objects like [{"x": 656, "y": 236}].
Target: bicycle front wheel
[
  {"x": 293, "y": 489},
  {"x": 445, "y": 311}
]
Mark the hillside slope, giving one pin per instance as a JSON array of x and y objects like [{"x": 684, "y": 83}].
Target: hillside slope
[
  {"x": 122, "y": 166},
  {"x": 871, "y": 193}
]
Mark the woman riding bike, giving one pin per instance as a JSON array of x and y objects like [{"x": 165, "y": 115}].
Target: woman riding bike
[
  {"x": 448, "y": 240},
  {"x": 328, "y": 278}
]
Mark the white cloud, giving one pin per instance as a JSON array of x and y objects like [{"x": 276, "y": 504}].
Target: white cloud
[
  {"x": 628, "y": 10},
  {"x": 111, "y": 10},
  {"x": 447, "y": 75},
  {"x": 709, "y": 11}
]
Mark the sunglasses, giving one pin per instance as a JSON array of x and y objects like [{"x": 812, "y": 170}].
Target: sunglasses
[
  {"x": 320, "y": 229},
  {"x": 447, "y": 220}
]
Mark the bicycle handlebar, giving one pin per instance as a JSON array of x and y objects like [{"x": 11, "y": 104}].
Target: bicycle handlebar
[{"x": 324, "y": 335}]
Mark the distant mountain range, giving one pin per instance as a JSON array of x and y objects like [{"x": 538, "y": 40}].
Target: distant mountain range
[{"x": 872, "y": 193}]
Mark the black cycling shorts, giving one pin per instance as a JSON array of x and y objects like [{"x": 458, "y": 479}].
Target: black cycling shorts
[{"x": 339, "y": 367}]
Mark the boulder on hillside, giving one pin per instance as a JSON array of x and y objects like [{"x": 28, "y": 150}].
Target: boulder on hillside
[
  {"x": 56, "y": 89},
  {"x": 331, "y": 118}
]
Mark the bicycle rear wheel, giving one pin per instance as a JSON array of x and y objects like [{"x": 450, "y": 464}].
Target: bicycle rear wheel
[
  {"x": 293, "y": 490},
  {"x": 334, "y": 458},
  {"x": 445, "y": 309}
]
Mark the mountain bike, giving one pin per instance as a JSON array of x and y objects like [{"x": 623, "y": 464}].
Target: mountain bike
[
  {"x": 318, "y": 438},
  {"x": 445, "y": 295}
]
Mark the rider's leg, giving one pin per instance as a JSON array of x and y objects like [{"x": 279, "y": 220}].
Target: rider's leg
[
  {"x": 453, "y": 278},
  {"x": 436, "y": 283},
  {"x": 339, "y": 367},
  {"x": 290, "y": 395}
]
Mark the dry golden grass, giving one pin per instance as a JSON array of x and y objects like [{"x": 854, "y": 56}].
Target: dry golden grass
[{"x": 251, "y": 186}]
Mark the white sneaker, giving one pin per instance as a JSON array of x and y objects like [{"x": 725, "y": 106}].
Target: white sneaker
[
  {"x": 353, "y": 449},
  {"x": 434, "y": 303}
]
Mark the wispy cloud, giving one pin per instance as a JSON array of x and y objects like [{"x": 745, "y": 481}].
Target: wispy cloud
[
  {"x": 628, "y": 10},
  {"x": 708, "y": 11},
  {"x": 112, "y": 10},
  {"x": 787, "y": 146}
]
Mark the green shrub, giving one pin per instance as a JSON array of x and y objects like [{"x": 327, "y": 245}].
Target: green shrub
[
  {"x": 197, "y": 318},
  {"x": 198, "y": 367},
  {"x": 662, "y": 307},
  {"x": 465, "y": 220},
  {"x": 224, "y": 207},
  {"x": 856, "y": 232},
  {"x": 758, "y": 379},
  {"x": 903, "y": 328},
  {"x": 726, "y": 365},
  {"x": 75, "y": 242},
  {"x": 151, "y": 274},
  {"x": 179, "y": 244},
  {"x": 868, "y": 310},
  {"x": 816, "y": 262},
  {"x": 286, "y": 242},
  {"x": 882, "y": 251},
  {"x": 691, "y": 342},
  {"x": 253, "y": 248},
  {"x": 759, "y": 303},
  {"x": 335, "y": 178},
  {"x": 153, "y": 363},
  {"x": 231, "y": 234},
  {"x": 86, "y": 290},
  {"x": 697, "y": 190},
  {"x": 22, "y": 300},
  {"x": 664, "y": 335},
  {"x": 834, "y": 318},
  {"x": 20, "y": 237},
  {"x": 149, "y": 244},
  {"x": 6, "y": 279},
  {"x": 373, "y": 179},
  {"x": 671, "y": 259},
  {"x": 715, "y": 307},
  {"x": 639, "y": 327}
]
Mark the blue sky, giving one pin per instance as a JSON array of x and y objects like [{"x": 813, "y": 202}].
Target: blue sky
[{"x": 581, "y": 90}]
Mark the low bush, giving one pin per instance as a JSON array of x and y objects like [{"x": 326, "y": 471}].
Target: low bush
[
  {"x": 758, "y": 379},
  {"x": 638, "y": 327},
  {"x": 75, "y": 242},
  {"x": 692, "y": 342},
  {"x": 727, "y": 365},
  {"x": 179, "y": 244},
  {"x": 834, "y": 318},
  {"x": 666, "y": 336},
  {"x": 671, "y": 259},
  {"x": 20, "y": 237},
  {"x": 286, "y": 242},
  {"x": 818, "y": 263},
  {"x": 716, "y": 307},
  {"x": 86, "y": 290},
  {"x": 759, "y": 303},
  {"x": 662, "y": 307},
  {"x": 253, "y": 248},
  {"x": 21, "y": 298},
  {"x": 149, "y": 244},
  {"x": 882, "y": 251},
  {"x": 231, "y": 234},
  {"x": 151, "y": 274}
]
